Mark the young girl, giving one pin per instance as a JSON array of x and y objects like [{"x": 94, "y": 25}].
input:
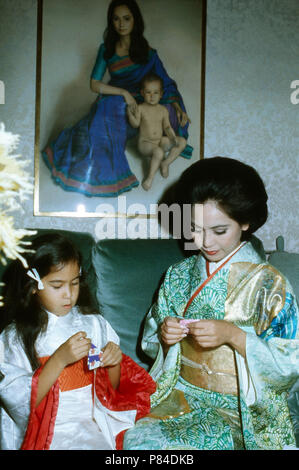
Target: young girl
[
  {"x": 50, "y": 399},
  {"x": 224, "y": 331}
]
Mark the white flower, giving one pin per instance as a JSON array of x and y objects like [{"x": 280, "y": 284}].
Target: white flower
[
  {"x": 15, "y": 186},
  {"x": 8, "y": 141},
  {"x": 11, "y": 243},
  {"x": 15, "y": 183}
]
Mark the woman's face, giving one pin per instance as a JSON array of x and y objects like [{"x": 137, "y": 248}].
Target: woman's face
[
  {"x": 214, "y": 232},
  {"x": 123, "y": 20}
]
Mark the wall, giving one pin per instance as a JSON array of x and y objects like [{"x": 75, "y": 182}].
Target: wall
[
  {"x": 252, "y": 59},
  {"x": 251, "y": 63}
]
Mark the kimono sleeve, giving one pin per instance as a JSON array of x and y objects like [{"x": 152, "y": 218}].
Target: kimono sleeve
[
  {"x": 15, "y": 393},
  {"x": 164, "y": 365},
  {"x": 273, "y": 358},
  {"x": 158, "y": 312}
]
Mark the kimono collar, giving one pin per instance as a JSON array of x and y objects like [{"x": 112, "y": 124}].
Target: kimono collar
[
  {"x": 211, "y": 266},
  {"x": 220, "y": 264}
]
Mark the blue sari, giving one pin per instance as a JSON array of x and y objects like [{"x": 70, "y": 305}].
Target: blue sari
[{"x": 90, "y": 158}]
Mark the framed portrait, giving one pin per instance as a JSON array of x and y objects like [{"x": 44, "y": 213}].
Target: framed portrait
[{"x": 89, "y": 158}]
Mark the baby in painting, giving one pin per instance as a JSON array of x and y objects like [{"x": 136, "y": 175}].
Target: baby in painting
[{"x": 156, "y": 136}]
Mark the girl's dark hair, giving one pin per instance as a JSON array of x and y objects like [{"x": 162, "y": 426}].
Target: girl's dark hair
[
  {"x": 236, "y": 187},
  {"x": 21, "y": 306},
  {"x": 139, "y": 47}
]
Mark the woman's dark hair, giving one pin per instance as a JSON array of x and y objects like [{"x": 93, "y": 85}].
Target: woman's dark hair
[
  {"x": 21, "y": 306},
  {"x": 236, "y": 187},
  {"x": 139, "y": 47}
]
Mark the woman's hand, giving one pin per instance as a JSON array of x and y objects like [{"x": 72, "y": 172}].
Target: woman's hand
[
  {"x": 171, "y": 331},
  {"x": 74, "y": 349},
  {"x": 97, "y": 86},
  {"x": 112, "y": 355},
  {"x": 214, "y": 333},
  {"x": 130, "y": 100},
  {"x": 182, "y": 116}
]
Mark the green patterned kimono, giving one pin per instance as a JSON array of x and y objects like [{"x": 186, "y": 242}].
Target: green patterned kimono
[{"x": 257, "y": 298}]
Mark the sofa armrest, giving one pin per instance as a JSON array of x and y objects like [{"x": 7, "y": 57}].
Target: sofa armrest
[{"x": 287, "y": 263}]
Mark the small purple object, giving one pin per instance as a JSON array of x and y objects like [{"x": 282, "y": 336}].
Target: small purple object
[{"x": 94, "y": 358}]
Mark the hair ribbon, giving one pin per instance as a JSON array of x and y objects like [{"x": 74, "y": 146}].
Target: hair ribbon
[{"x": 34, "y": 275}]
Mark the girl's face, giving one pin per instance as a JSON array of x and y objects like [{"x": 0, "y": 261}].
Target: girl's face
[
  {"x": 61, "y": 289},
  {"x": 214, "y": 232},
  {"x": 123, "y": 20}
]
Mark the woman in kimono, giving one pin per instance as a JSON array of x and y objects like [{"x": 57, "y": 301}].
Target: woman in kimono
[
  {"x": 90, "y": 157},
  {"x": 224, "y": 331},
  {"x": 64, "y": 382}
]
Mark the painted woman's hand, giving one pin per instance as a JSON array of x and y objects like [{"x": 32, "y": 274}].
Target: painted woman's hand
[
  {"x": 171, "y": 331},
  {"x": 182, "y": 116},
  {"x": 131, "y": 102},
  {"x": 112, "y": 355}
]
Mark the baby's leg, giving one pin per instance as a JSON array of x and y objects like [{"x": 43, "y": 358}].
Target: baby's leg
[
  {"x": 157, "y": 154},
  {"x": 173, "y": 155}
]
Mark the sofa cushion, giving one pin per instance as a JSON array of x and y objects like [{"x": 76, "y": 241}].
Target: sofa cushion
[
  {"x": 129, "y": 273},
  {"x": 288, "y": 265}
]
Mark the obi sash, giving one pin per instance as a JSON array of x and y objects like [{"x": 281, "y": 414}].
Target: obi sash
[
  {"x": 211, "y": 369},
  {"x": 73, "y": 376}
]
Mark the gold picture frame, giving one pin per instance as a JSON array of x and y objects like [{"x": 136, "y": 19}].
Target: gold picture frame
[{"x": 64, "y": 61}]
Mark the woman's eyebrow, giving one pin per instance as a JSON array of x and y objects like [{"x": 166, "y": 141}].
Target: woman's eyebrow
[{"x": 213, "y": 227}]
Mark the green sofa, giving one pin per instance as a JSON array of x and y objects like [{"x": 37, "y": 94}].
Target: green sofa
[{"x": 124, "y": 276}]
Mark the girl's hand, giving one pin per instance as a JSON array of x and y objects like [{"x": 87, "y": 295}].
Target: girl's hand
[
  {"x": 171, "y": 331},
  {"x": 74, "y": 349},
  {"x": 112, "y": 355},
  {"x": 214, "y": 333}
]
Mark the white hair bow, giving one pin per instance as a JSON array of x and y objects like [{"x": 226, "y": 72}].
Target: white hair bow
[{"x": 34, "y": 275}]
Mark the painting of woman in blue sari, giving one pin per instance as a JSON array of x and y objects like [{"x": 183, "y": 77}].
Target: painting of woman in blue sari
[{"x": 89, "y": 157}]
